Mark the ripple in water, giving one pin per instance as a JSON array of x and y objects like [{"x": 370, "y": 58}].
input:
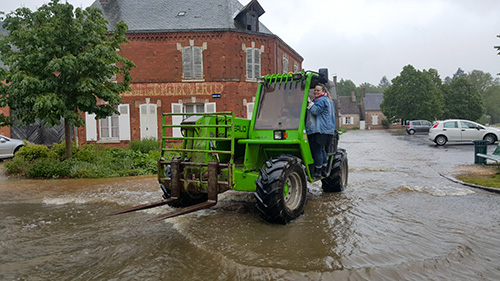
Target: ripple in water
[{"x": 437, "y": 191}]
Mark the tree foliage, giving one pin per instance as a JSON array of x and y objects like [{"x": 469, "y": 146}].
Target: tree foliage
[
  {"x": 61, "y": 62},
  {"x": 384, "y": 83},
  {"x": 346, "y": 87},
  {"x": 413, "y": 95},
  {"x": 462, "y": 100}
]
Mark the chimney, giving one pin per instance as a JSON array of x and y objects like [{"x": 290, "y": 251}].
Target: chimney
[
  {"x": 103, "y": 1},
  {"x": 353, "y": 96}
]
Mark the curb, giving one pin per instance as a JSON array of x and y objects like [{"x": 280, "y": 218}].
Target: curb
[{"x": 487, "y": 188}]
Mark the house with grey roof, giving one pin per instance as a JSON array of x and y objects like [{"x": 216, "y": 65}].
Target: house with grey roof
[
  {"x": 349, "y": 111},
  {"x": 191, "y": 56},
  {"x": 371, "y": 112}
]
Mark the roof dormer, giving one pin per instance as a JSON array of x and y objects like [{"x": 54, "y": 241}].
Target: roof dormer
[{"x": 248, "y": 17}]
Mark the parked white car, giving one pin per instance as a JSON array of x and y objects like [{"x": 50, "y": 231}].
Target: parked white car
[
  {"x": 8, "y": 147},
  {"x": 456, "y": 130}
]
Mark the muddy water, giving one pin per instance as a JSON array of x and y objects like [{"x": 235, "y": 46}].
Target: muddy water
[{"x": 398, "y": 220}]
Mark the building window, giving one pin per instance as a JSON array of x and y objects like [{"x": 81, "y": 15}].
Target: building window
[
  {"x": 188, "y": 108},
  {"x": 109, "y": 128},
  {"x": 192, "y": 63},
  {"x": 194, "y": 108},
  {"x": 253, "y": 63},
  {"x": 295, "y": 67},
  {"x": 374, "y": 119},
  {"x": 115, "y": 127},
  {"x": 348, "y": 121},
  {"x": 285, "y": 64}
]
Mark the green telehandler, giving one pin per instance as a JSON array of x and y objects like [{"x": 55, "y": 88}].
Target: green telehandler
[{"x": 268, "y": 155}]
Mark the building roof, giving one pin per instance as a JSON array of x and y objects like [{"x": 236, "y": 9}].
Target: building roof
[
  {"x": 174, "y": 15},
  {"x": 347, "y": 106},
  {"x": 373, "y": 101}
]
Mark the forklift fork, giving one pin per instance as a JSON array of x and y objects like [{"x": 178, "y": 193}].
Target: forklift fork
[{"x": 176, "y": 186}]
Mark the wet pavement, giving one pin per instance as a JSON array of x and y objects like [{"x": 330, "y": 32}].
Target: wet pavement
[{"x": 397, "y": 220}]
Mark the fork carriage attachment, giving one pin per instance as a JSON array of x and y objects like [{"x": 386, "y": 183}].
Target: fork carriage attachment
[{"x": 207, "y": 154}]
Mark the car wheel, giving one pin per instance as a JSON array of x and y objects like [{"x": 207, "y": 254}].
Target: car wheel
[
  {"x": 16, "y": 150},
  {"x": 440, "y": 140},
  {"x": 411, "y": 132},
  {"x": 490, "y": 138}
]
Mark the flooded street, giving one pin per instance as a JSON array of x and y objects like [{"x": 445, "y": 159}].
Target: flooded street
[{"x": 397, "y": 220}]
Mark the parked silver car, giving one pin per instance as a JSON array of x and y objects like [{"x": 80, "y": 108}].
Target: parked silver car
[
  {"x": 457, "y": 130},
  {"x": 414, "y": 126},
  {"x": 9, "y": 147}
]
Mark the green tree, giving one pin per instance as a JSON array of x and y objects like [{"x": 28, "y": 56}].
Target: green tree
[
  {"x": 412, "y": 95},
  {"x": 498, "y": 48},
  {"x": 462, "y": 100},
  {"x": 60, "y": 62},
  {"x": 345, "y": 87},
  {"x": 492, "y": 102},
  {"x": 369, "y": 88},
  {"x": 384, "y": 83},
  {"x": 481, "y": 80},
  {"x": 459, "y": 73}
]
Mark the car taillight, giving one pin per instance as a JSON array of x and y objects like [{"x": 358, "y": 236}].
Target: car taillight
[
  {"x": 435, "y": 125},
  {"x": 408, "y": 127}
]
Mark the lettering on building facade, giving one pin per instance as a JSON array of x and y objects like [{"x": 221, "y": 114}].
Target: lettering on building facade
[{"x": 174, "y": 89}]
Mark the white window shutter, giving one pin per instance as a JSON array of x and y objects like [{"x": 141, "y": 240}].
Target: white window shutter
[
  {"x": 90, "y": 127},
  {"x": 176, "y": 119},
  {"x": 249, "y": 63},
  {"x": 250, "y": 106},
  {"x": 124, "y": 122},
  {"x": 197, "y": 62},
  {"x": 153, "y": 119},
  {"x": 257, "y": 63},
  {"x": 187, "y": 62},
  {"x": 210, "y": 107}
]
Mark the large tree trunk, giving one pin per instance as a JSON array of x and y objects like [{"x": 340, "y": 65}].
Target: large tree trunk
[{"x": 67, "y": 138}]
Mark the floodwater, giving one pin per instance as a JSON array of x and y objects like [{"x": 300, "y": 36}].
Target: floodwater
[{"x": 397, "y": 220}]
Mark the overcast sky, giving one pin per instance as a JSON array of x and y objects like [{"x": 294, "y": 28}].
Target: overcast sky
[{"x": 364, "y": 40}]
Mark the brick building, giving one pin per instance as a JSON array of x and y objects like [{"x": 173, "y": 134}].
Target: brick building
[
  {"x": 191, "y": 56},
  {"x": 349, "y": 110}
]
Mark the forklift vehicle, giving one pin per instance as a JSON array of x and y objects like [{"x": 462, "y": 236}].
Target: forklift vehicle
[{"x": 268, "y": 155}]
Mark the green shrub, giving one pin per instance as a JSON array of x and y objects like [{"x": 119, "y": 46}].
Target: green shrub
[
  {"x": 58, "y": 150},
  {"x": 48, "y": 168},
  {"x": 32, "y": 152},
  {"x": 90, "y": 153},
  {"x": 385, "y": 123},
  {"x": 16, "y": 166},
  {"x": 88, "y": 161},
  {"x": 145, "y": 145},
  {"x": 82, "y": 169},
  {"x": 355, "y": 128}
]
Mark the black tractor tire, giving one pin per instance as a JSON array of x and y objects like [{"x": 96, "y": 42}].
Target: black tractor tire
[
  {"x": 281, "y": 189},
  {"x": 490, "y": 138},
  {"x": 337, "y": 180}
]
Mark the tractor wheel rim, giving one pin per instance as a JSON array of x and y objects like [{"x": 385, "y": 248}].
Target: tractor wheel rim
[{"x": 293, "y": 191}]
